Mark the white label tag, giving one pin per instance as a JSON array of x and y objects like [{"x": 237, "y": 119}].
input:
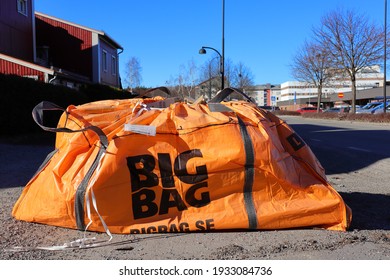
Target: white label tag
[{"x": 141, "y": 129}]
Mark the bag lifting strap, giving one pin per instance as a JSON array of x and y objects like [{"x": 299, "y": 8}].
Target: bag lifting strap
[
  {"x": 249, "y": 175},
  {"x": 249, "y": 153},
  {"x": 37, "y": 114}
]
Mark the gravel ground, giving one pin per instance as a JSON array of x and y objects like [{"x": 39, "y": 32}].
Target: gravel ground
[{"x": 367, "y": 239}]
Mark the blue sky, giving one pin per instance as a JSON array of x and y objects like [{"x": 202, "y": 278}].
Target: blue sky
[{"x": 165, "y": 34}]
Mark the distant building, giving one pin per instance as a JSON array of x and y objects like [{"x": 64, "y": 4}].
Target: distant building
[
  {"x": 209, "y": 88},
  {"x": 17, "y": 41},
  {"x": 264, "y": 95},
  {"x": 76, "y": 52},
  {"x": 369, "y": 77},
  {"x": 52, "y": 50},
  {"x": 17, "y": 29}
]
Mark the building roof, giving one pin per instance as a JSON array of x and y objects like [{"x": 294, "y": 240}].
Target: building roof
[
  {"x": 372, "y": 93},
  {"x": 26, "y": 64},
  {"x": 99, "y": 32}
]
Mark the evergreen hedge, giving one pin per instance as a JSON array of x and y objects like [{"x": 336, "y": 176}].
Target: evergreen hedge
[{"x": 18, "y": 97}]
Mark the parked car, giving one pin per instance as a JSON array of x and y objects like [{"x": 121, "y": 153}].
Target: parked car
[
  {"x": 270, "y": 108},
  {"x": 304, "y": 110},
  {"x": 368, "y": 108},
  {"x": 379, "y": 109},
  {"x": 338, "y": 110}
]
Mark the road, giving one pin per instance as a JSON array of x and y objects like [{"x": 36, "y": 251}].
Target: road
[{"x": 343, "y": 146}]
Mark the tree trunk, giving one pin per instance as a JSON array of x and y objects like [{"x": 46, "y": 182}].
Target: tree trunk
[
  {"x": 353, "y": 103},
  {"x": 319, "y": 93}
]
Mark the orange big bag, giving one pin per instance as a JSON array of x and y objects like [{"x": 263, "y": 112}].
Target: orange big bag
[{"x": 156, "y": 165}]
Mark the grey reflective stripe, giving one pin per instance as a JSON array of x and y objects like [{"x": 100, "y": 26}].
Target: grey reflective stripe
[
  {"x": 249, "y": 175},
  {"x": 45, "y": 162},
  {"x": 80, "y": 193}
]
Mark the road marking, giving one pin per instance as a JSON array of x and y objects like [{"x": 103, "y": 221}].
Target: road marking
[
  {"x": 331, "y": 130},
  {"x": 359, "y": 149}
]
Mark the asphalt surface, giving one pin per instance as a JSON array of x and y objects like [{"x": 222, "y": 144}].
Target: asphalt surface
[
  {"x": 343, "y": 146},
  {"x": 357, "y": 165}
]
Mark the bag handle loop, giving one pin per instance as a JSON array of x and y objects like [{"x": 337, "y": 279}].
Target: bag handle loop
[
  {"x": 221, "y": 95},
  {"x": 163, "y": 89},
  {"x": 37, "y": 114}
]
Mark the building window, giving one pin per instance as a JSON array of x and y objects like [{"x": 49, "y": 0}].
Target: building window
[
  {"x": 22, "y": 7},
  {"x": 104, "y": 61},
  {"x": 113, "y": 65}
]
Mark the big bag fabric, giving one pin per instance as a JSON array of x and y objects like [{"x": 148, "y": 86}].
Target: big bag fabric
[{"x": 153, "y": 165}]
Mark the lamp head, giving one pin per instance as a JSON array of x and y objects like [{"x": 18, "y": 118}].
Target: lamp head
[{"x": 202, "y": 51}]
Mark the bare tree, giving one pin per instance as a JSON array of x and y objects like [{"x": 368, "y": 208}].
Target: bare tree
[
  {"x": 353, "y": 43},
  {"x": 242, "y": 77},
  {"x": 210, "y": 75},
  {"x": 311, "y": 64},
  {"x": 174, "y": 88},
  {"x": 133, "y": 73},
  {"x": 239, "y": 76},
  {"x": 187, "y": 76},
  {"x": 183, "y": 85},
  {"x": 229, "y": 72}
]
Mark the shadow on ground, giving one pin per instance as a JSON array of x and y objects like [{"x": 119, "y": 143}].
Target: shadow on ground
[
  {"x": 20, "y": 158},
  {"x": 369, "y": 211},
  {"x": 345, "y": 150}
]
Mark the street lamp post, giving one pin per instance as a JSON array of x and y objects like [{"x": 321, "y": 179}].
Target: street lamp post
[
  {"x": 221, "y": 56},
  {"x": 203, "y": 51},
  {"x": 385, "y": 58},
  {"x": 223, "y": 46}
]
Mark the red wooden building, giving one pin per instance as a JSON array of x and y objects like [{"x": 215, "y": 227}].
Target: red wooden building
[
  {"x": 17, "y": 41},
  {"x": 17, "y": 29},
  {"x": 14, "y": 66},
  {"x": 46, "y": 48},
  {"x": 80, "y": 52}
]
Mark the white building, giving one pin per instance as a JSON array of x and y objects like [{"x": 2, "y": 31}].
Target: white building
[
  {"x": 369, "y": 77},
  {"x": 265, "y": 94}
]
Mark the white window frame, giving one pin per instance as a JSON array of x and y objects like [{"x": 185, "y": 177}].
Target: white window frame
[
  {"x": 104, "y": 61},
  {"x": 113, "y": 65},
  {"x": 22, "y": 7}
]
